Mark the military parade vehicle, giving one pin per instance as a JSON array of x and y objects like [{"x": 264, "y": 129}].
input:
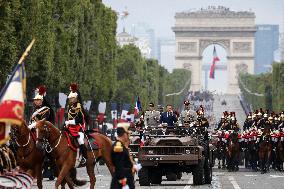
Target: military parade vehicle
[{"x": 171, "y": 152}]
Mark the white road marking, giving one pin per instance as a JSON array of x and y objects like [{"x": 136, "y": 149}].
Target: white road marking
[
  {"x": 215, "y": 181},
  {"x": 190, "y": 181},
  {"x": 250, "y": 175},
  {"x": 234, "y": 182},
  {"x": 277, "y": 176}
]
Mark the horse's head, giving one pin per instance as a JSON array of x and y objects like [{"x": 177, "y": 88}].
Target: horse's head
[
  {"x": 17, "y": 131},
  {"x": 42, "y": 134}
]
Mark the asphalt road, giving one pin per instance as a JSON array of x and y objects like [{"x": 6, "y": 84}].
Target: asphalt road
[{"x": 243, "y": 179}]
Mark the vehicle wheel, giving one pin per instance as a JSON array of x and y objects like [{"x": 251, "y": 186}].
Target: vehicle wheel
[
  {"x": 179, "y": 175},
  {"x": 156, "y": 176},
  {"x": 207, "y": 172},
  {"x": 171, "y": 176},
  {"x": 143, "y": 175},
  {"x": 198, "y": 173}
]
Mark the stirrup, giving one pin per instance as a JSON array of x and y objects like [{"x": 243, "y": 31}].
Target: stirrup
[{"x": 82, "y": 162}]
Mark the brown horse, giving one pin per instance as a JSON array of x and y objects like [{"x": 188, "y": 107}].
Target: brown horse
[
  {"x": 233, "y": 152},
  {"x": 264, "y": 153},
  {"x": 27, "y": 152},
  {"x": 104, "y": 151},
  {"x": 55, "y": 143}
]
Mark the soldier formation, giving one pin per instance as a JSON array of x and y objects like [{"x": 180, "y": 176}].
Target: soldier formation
[{"x": 258, "y": 127}]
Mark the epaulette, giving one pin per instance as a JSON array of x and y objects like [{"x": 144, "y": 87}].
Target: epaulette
[
  {"x": 78, "y": 107},
  {"x": 118, "y": 147}
]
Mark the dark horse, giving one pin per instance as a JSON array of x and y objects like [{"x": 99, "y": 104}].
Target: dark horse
[
  {"x": 233, "y": 152},
  {"x": 264, "y": 153},
  {"x": 221, "y": 152},
  {"x": 66, "y": 157},
  {"x": 27, "y": 152}
]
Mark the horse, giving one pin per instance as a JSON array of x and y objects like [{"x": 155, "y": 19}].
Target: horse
[
  {"x": 233, "y": 152},
  {"x": 55, "y": 143},
  {"x": 279, "y": 155},
  {"x": 264, "y": 153},
  {"x": 27, "y": 152},
  {"x": 221, "y": 151},
  {"x": 104, "y": 150}
]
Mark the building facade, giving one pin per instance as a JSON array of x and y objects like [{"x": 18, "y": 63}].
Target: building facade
[{"x": 266, "y": 43}]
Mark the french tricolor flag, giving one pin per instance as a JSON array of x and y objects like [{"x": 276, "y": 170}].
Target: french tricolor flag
[
  {"x": 212, "y": 69},
  {"x": 12, "y": 97},
  {"x": 138, "y": 107}
]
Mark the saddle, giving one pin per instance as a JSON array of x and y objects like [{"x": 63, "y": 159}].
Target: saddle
[{"x": 90, "y": 141}]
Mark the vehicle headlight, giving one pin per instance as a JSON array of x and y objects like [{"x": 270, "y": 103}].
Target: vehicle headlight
[
  {"x": 151, "y": 152},
  {"x": 187, "y": 151}
]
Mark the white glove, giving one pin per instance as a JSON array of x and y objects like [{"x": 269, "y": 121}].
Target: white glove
[
  {"x": 31, "y": 126},
  {"x": 125, "y": 187},
  {"x": 137, "y": 166},
  {"x": 70, "y": 122}
]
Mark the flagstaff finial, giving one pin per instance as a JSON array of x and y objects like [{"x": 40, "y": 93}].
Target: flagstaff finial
[{"x": 25, "y": 54}]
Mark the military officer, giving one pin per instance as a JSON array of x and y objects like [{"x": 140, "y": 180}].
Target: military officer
[
  {"x": 248, "y": 122},
  {"x": 124, "y": 166},
  {"x": 151, "y": 117},
  {"x": 42, "y": 109},
  {"x": 201, "y": 119},
  {"x": 168, "y": 117},
  {"x": 75, "y": 123},
  {"x": 187, "y": 113}
]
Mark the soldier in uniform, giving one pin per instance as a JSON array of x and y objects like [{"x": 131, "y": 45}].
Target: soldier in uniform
[
  {"x": 234, "y": 124},
  {"x": 151, "y": 117},
  {"x": 201, "y": 119},
  {"x": 248, "y": 122},
  {"x": 125, "y": 168},
  {"x": 42, "y": 109},
  {"x": 187, "y": 113},
  {"x": 76, "y": 124}
]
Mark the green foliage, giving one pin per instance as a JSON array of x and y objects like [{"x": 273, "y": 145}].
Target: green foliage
[
  {"x": 270, "y": 84},
  {"x": 76, "y": 42}
]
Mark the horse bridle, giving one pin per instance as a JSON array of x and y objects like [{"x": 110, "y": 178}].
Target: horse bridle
[
  {"x": 45, "y": 139},
  {"x": 14, "y": 137}
]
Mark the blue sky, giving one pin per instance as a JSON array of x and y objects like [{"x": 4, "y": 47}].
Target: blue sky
[{"x": 159, "y": 14}]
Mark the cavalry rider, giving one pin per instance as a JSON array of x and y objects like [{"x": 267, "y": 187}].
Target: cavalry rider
[
  {"x": 187, "y": 114},
  {"x": 201, "y": 119},
  {"x": 233, "y": 123},
  {"x": 248, "y": 122},
  {"x": 223, "y": 122},
  {"x": 76, "y": 123},
  {"x": 168, "y": 117},
  {"x": 42, "y": 109},
  {"x": 151, "y": 117},
  {"x": 124, "y": 166}
]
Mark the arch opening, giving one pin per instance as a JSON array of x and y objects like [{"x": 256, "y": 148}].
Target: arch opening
[{"x": 220, "y": 81}]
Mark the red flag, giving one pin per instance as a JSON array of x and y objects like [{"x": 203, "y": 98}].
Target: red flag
[
  {"x": 212, "y": 69},
  {"x": 12, "y": 97}
]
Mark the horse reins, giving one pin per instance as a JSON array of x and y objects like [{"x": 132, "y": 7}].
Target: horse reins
[{"x": 24, "y": 145}]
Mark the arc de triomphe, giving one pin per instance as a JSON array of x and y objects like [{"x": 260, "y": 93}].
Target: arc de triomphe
[{"x": 234, "y": 31}]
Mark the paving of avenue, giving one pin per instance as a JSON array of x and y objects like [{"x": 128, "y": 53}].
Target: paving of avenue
[{"x": 243, "y": 179}]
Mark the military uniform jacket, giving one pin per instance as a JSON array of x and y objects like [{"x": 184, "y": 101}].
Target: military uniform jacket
[
  {"x": 187, "y": 115},
  {"x": 151, "y": 118},
  {"x": 40, "y": 113},
  {"x": 121, "y": 160},
  {"x": 75, "y": 113}
]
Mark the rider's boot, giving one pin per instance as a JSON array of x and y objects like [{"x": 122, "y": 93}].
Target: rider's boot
[{"x": 83, "y": 152}]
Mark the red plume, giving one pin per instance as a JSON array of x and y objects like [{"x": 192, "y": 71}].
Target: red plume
[
  {"x": 41, "y": 90},
  {"x": 74, "y": 87}
]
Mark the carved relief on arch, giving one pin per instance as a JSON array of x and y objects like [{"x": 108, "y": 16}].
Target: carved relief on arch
[
  {"x": 241, "y": 69},
  {"x": 187, "y": 66},
  {"x": 203, "y": 43}
]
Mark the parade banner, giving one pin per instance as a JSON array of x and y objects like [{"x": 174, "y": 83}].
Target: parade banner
[{"x": 12, "y": 98}]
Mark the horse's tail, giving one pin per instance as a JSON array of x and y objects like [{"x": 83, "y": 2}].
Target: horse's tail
[{"x": 73, "y": 176}]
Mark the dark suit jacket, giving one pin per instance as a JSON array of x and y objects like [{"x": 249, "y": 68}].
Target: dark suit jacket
[{"x": 169, "y": 118}]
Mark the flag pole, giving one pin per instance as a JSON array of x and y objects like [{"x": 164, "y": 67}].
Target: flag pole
[{"x": 24, "y": 55}]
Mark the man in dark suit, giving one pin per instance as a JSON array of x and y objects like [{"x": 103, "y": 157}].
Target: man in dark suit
[{"x": 169, "y": 116}]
